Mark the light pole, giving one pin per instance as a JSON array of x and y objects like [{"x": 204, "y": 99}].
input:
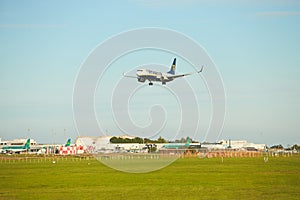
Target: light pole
[
  {"x": 65, "y": 134},
  {"x": 28, "y": 133},
  {"x": 53, "y": 141}
]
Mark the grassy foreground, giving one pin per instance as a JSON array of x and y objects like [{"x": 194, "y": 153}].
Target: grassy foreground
[{"x": 190, "y": 178}]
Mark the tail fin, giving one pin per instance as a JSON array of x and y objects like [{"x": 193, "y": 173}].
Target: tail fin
[
  {"x": 27, "y": 144},
  {"x": 173, "y": 67},
  {"x": 68, "y": 143},
  {"x": 188, "y": 141}
]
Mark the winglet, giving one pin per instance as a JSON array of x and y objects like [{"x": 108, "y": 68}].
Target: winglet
[{"x": 201, "y": 69}]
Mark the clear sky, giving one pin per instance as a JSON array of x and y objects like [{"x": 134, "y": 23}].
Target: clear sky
[{"x": 254, "y": 44}]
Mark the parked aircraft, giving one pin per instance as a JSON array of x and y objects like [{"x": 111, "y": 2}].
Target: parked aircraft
[
  {"x": 177, "y": 145},
  {"x": 17, "y": 148},
  {"x": 146, "y": 74}
]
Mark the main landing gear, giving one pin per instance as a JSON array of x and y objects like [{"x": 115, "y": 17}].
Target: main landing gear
[{"x": 150, "y": 84}]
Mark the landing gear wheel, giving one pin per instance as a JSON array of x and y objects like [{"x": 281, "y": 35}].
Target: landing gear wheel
[
  {"x": 150, "y": 84},
  {"x": 164, "y": 83}
]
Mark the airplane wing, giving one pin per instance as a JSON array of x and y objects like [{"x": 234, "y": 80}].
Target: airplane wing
[
  {"x": 181, "y": 75},
  {"x": 129, "y": 76}
]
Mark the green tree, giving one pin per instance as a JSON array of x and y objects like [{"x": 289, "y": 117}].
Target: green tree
[
  {"x": 295, "y": 146},
  {"x": 113, "y": 139},
  {"x": 161, "y": 140},
  {"x": 279, "y": 146}
]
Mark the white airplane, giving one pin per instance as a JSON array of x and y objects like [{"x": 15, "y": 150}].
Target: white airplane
[
  {"x": 145, "y": 74},
  {"x": 16, "y": 148}
]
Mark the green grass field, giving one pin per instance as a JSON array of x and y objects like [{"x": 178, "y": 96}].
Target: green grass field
[{"x": 190, "y": 178}]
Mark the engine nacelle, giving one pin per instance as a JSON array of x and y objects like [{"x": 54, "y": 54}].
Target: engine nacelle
[{"x": 141, "y": 79}]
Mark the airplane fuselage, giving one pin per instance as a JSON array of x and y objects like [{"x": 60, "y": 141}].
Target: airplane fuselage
[
  {"x": 176, "y": 146},
  {"x": 150, "y": 75},
  {"x": 14, "y": 149}
]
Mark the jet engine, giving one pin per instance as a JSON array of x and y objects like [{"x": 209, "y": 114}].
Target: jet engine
[{"x": 141, "y": 79}]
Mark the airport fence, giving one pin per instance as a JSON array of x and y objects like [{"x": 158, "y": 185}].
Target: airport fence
[
  {"x": 5, "y": 159},
  {"x": 23, "y": 158},
  {"x": 237, "y": 154}
]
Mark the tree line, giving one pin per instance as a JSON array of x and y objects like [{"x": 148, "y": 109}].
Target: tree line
[
  {"x": 139, "y": 140},
  {"x": 279, "y": 146},
  {"x": 117, "y": 140}
]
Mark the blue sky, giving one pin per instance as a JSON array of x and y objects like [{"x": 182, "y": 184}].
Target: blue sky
[{"x": 255, "y": 46}]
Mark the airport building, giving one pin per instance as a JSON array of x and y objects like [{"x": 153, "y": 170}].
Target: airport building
[
  {"x": 16, "y": 142},
  {"x": 234, "y": 144},
  {"x": 102, "y": 144}
]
